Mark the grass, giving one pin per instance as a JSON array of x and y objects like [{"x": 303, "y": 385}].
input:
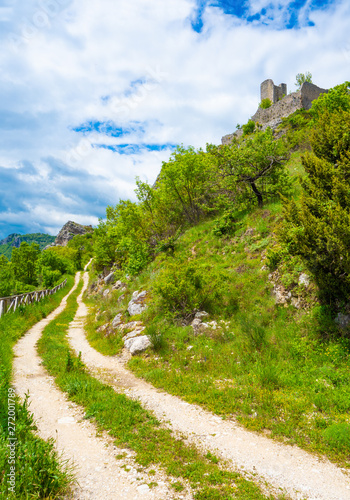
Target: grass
[
  {"x": 134, "y": 427},
  {"x": 39, "y": 471},
  {"x": 278, "y": 370}
]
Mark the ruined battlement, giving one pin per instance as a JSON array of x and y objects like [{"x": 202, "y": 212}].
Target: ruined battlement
[
  {"x": 268, "y": 90},
  {"x": 282, "y": 106}
]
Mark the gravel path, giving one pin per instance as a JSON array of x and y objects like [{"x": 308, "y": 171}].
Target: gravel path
[
  {"x": 99, "y": 475},
  {"x": 295, "y": 471}
]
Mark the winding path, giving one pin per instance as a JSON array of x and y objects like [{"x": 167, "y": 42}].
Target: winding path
[
  {"x": 286, "y": 467},
  {"x": 99, "y": 475}
]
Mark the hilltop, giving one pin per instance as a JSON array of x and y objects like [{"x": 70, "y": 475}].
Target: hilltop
[{"x": 14, "y": 241}]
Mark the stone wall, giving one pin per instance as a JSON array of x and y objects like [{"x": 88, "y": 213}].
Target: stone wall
[
  {"x": 272, "y": 116},
  {"x": 268, "y": 90}
]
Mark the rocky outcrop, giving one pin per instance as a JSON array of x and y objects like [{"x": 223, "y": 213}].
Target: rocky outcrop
[
  {"x": 68, "y": 231},
  {"x": 287, "y": 105},
  {"x": 137, "y": 303}
]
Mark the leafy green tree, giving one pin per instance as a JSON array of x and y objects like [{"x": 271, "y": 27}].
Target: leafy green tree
[
  {"x": 23, "y": 263},
  {"x": 302, "y": 78},
  {"x": 318, "y": 227},
  {"x": 51, "y": 265},
  {"x": 188, "y": 183},
  {"x": 6, "y": 277},
  {"x": 253, "y": 170},
  {"x": 336, "y": 99}
]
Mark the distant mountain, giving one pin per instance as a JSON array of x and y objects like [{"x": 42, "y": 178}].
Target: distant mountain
[
  {"x": 15, "y": 240},
  {"x": 69, "y": 230}
]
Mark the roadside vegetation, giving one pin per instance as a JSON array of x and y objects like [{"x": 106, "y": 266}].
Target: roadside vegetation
[
  {"x": 39, "y": 471},
  {"x": 232, "y": 230},
  {"x": 31, "y": 268},
  {"x": 134, "y": 427}
]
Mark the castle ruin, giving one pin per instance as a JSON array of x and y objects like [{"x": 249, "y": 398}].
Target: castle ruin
[
  {"x": 268, "y": 90},
  {"x": 282, "y": 106}
]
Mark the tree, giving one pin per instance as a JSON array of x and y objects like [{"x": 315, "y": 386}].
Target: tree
[
  {"x": 336, "y": 99},
  {"x": 23, "y": 262},
  {"x": 301, "y": 78},
  {"x": 318, "y": 227},
  {"x": 253, "y": 170},
  {"x": 6, "y": 278}
]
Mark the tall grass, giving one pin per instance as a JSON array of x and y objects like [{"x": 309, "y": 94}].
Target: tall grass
[{"x": 39, "y": 473}]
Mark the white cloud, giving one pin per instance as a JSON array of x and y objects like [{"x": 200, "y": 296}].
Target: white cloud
[{"x": 193, "y": 88}]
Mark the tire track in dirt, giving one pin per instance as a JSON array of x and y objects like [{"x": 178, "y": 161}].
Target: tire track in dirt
[
  {"x": 286, "y": 467},
  {"x": 98, "y": 473}
]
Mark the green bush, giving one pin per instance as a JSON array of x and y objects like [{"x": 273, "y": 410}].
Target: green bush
[
  {"x": 184, "y": 288},
  {"x": 226, "y": 224},
  {"x": 265, "y": 103},
  {"x": 248, "y": 128},
  {"x": 338, "y": 436}
]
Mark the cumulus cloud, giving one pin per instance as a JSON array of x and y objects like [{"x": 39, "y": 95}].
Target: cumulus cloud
[{"x": 97, "y": 93}]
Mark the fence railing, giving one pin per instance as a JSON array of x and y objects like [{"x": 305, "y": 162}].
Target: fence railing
[{"x": 8, "y": 304}]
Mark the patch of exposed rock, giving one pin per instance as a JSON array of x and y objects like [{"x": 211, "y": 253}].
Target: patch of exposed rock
[
  {"x": 296, "y": 296},
  {"x": 69, "y": 230},
  {"x": 137, "y": 303}
]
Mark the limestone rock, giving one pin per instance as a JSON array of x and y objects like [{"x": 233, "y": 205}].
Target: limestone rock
[
  {"x": 343, "y": 320},
  {"x": 136, "y": 345},
  {"x": 109, "y": 279},
  {"x": 137, "y": 303},
  {"x": 103, "y": 328},
  {"x": 132, "y": 325},
  {"x": 198, "y": 326},
  {"x": 201, "y": 314},
  {"x": 117, "y": 320},
  {"x": 106, "y": 292},
  {"x": 119, "y": 285},
  {"x": 304, "y": 279},
  {"x": 132, "y": 334},
  {"x": 69, "y": 230}
]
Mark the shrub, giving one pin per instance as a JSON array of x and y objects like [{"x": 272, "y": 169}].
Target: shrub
[
  {"x": 248, "y": 128},
  {"x": 265, "y": 103},
  {"x": 184, "y": 288},
  {"x": 338, "y": 436}
]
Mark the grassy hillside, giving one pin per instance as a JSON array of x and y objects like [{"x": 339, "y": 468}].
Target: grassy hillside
[
  {"x": 41, "y": 239},
  {"x": 271, "y": 272}
]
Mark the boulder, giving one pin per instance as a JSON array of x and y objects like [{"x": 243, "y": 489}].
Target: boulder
[
  {"x": 201, "y": 314},
  {"x": 343, "y": 320},
  {"x": 117, "y": 320},
  {"x": 109, "y": 279},
  {"x": 136, "y": 345},
  {"x": 132, "y": 334},
  {"x": 304, "y": 279},
  {"x": 136, "y": 304},
  {"x": 103, "y": 328},
  {"x": 198, "y": 326},
  {"x": 119, "y": 285}
]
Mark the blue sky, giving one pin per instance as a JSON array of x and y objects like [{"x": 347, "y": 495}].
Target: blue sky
[{"x": 94, "y": 94}]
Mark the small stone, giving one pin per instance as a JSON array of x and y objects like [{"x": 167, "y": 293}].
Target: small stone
[
  {"x": 117, "y": 320},
  {"x": 304, "y": 279},
  {"x": 106, "y": 292},
  {"x": 143, "y": 488},
  {"x": 343, "y": 320},
  {"x": 109, "y": 279},
  {"x": 201, "y": 314}
]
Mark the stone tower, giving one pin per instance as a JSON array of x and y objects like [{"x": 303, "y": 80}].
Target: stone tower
[{"x": 268, "y": 90}]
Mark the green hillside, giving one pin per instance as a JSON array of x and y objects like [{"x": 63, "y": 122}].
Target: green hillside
[
  {"x": 256, "y": 234},
  {"x": 14, "y": 240}
]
